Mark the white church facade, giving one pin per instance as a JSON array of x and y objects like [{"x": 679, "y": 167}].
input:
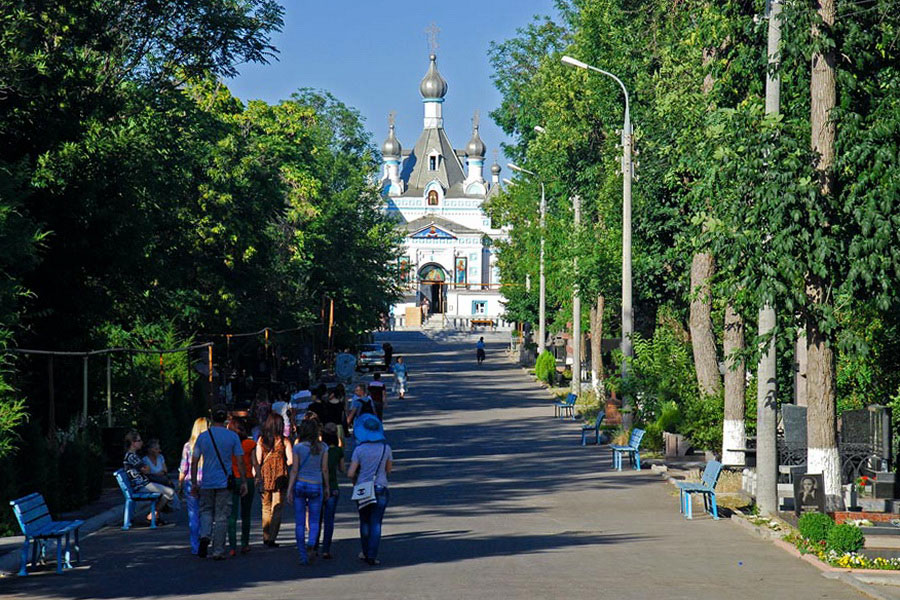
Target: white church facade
[{"x": 448, "y": 267}]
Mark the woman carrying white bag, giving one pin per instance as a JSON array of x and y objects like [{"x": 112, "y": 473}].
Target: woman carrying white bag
[{"x": 369, "y": 467}]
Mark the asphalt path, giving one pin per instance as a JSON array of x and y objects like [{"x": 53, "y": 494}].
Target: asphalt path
[{"x": 490, "y": 497}]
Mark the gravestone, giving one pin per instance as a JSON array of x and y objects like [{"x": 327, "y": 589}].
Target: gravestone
[
  {"x": 793, "y": 421},
  {"x": 855, "y": 427}
]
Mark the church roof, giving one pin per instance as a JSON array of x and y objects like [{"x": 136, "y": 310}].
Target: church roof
[
  {"x": 441, "y": 223},
  {"x": 449, "y": 171}
]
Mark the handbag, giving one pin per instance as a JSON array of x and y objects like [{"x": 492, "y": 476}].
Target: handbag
[
  {"x": 230, "y": 485},
  {"x": 364, "y": 493}
]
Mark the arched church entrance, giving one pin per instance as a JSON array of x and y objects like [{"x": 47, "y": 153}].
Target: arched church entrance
[{"x": 433, "y": 286}]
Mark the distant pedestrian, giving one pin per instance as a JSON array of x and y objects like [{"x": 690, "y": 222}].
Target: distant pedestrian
[
  {"x": 184, "y": 483},
  {"x": 216, "y": 446},
  {"x": 377, "y": 393},
  {"x": 401, "y": 377},
  {"x": 388, "y": 353},
  {"x": 308, "y": 485},
  {"x": 138, "y": 472},
  {"x": 372, "y": 461},
  {"x": 335, "y": 464},
  {"x": 242, "y": 504},
  {"x": 274, "y": 455}
]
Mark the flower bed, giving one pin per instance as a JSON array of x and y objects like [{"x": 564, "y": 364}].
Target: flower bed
[{"x": 847, "y": 560}]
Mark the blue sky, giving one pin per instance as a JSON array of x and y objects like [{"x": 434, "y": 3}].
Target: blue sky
[{"x": 372, "y": 54}]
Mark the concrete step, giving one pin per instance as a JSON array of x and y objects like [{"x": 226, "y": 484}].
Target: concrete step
[{"x": 891, "y": 542}]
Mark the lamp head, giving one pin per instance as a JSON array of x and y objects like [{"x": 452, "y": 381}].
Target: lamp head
[
  {"x": 540, "y": 129},
  {"x": 508, "y": 181},
  {"x": 574, "y": 62}
]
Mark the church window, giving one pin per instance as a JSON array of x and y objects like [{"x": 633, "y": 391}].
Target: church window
[
  {"x": 432, "y": 163},
  {"x": 433, "y": 198}
]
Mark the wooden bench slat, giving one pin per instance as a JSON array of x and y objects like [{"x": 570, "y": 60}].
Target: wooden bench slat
[
  {"x": 30, "y": 502},
  {"x": 34, "y": 514}
]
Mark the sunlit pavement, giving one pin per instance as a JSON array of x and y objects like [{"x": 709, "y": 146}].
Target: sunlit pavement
[{"x": 491, "y": 498}]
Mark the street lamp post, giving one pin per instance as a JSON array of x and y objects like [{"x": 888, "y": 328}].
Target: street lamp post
[
  {"x": 627, "y": 311},
  {"x": 542, "y": 307}
]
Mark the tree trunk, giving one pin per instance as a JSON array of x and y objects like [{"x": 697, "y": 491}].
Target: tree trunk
[
  {"x": 822, "y": 414},
  {"x": 703, "y": 339},
  {"x": 596, "y": 347},
  {"x": 734, "y": 434},
  {"x": 821, "y": 434}
]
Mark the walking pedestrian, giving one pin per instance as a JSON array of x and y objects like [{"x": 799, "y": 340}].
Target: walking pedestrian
[
  {"x": 308, "y": 485},
  {"x": 274, "y": 455},
  {"x": 242, "y": 504},
  {"x": 184, "y": 483},
  {"x": 372, "y": 461},
  {"x": 376, "y": 392},
  {"x": 401, "y": 375},
  {"x": 360, "y": 404},
  {"x": 138, "y": 472},
  {"x": 216, "y": 446},
  {"x": 335, "y": 464}
]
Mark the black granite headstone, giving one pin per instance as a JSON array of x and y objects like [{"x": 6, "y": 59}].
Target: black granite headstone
[
  {"x": 855, "y": 427},
  {"x": 793, "y": 420}
]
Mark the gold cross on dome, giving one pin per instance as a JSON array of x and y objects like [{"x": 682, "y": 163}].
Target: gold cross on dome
[
  {"x": 433, "y": 30},
  {"x": 476, "y": 119},
  {"x": 392, "y": 118}
]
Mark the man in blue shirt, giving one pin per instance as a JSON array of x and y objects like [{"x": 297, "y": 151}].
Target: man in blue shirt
[
  {"x": 479, "y": 350},
  {"x": 360, "y": 404},
  {"x": 216, "y": 446}
]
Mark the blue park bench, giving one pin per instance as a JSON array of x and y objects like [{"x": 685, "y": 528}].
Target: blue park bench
[
  {"x": 132, "y": 498},
  {"x": 632, "y": 449},
  {"x": 34, "y": 518},
  {"x": 587, "y": 428},
  {"x": 567, "y": 405},
  {"x": 706, "y": 487}
]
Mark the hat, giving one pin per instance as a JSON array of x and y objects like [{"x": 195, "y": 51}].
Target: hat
[{"x": 367, "y": 428}]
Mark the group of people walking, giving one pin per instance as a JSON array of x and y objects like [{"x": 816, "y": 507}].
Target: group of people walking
[{"x": 224, "y": 464}]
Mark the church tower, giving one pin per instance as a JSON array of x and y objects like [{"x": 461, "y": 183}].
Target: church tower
[{"x": 435, "y": 192}]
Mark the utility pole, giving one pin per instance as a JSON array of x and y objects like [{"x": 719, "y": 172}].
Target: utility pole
[
  {"x": 542, "y": 310},
  {"x": 576, "y": 307},
  {"x": 766, "y": 392}
]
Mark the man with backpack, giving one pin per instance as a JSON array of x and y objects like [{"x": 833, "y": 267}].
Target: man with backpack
[{"x": 360, "y": 404}]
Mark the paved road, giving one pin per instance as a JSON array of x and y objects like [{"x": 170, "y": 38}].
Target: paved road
[{"x": 490, "y": 498}]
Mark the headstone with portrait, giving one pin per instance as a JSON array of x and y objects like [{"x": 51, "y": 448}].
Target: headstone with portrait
[{"x": 809, "y": 493}]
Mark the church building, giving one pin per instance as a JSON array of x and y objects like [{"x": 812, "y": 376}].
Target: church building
[{"x": 436, "y": 192}]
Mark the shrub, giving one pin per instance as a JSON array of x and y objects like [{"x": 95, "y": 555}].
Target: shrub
[
  {"x": 845, "y": 538},
  {"x": 815, "y": 526},
  {"x": 545, "y": 367}
]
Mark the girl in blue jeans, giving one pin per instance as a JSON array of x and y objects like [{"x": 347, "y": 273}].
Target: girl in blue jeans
[
  {"x": 184, "y": 483},
  {"x": 371, "y": 461},
  {"x": 308, "y": 485}
]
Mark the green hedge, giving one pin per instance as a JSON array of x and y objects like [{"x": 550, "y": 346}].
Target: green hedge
[{"x": 545, "y": 367}]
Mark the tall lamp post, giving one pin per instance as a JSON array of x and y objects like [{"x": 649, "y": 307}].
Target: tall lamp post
[
  {"x": 542, "y": 307},
  {"x": 627, "y": 311}
]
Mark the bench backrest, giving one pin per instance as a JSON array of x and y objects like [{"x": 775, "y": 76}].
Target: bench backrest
[
  {"x": 571, "y": 398},
  {"x": 32, "y": 513},
  {"x": 711, "y": 473},
  {"x": 124, "y": 482},
  {"x": 600, "y": 416},
  {"x": 636, "y": 436}
]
